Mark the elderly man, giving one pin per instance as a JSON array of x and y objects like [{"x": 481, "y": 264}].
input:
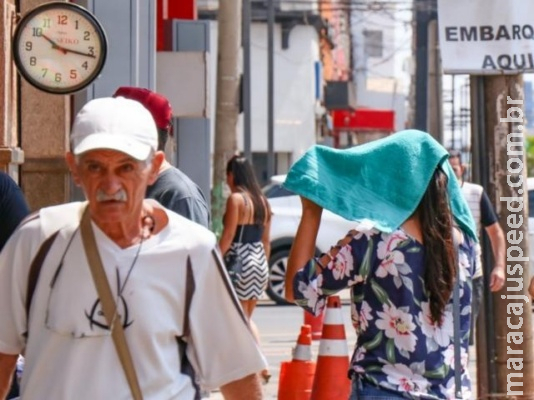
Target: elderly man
[{"x": 118, "y": 298}]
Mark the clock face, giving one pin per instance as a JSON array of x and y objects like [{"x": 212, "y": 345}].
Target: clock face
[{"x": 59, "y": 47}]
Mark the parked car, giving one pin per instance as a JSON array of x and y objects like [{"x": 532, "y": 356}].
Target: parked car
[{"x": 286, "y": 209}]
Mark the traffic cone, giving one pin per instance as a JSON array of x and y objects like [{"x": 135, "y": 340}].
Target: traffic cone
[
  {"x": 302, "y": 351},
  {"x": 296, "y": 376},
  {"x": 331, "y": 381},
  {"x": 316, "y": 323}
]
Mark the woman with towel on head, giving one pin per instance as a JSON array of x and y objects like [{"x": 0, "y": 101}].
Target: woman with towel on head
[{"x": 413, "y": 239}]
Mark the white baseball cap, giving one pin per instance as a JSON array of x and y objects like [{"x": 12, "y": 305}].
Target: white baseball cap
[{"x": 117, "y": 124}]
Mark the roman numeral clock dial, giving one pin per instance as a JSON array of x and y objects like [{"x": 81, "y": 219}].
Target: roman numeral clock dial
[{"x": 59, "y": 47}]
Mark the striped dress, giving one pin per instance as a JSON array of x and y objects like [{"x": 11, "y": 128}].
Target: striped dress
[{"x": 255, "y": 273}]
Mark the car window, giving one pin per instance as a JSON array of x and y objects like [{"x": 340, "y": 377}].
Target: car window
[
  {"x": 276, "y": 190},
  {"x": 531, "y": 201}
]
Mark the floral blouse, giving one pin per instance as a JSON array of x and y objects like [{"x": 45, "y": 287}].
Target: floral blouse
[{"x": 398, "y": 347}]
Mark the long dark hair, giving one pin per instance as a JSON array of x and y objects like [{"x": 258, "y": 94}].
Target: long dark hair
[
  {"x": 245, "y": 179},
  {"x": 440, "y": 260}
]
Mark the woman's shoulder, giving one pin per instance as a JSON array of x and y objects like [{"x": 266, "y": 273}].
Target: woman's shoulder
[{"x": 236, "y": 198}]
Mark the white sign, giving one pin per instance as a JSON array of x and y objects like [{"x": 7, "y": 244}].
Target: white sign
[{"x": 486, "y": 36}]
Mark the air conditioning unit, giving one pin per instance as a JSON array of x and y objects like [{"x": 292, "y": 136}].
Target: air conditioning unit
[{"x": 340, "y": 95}]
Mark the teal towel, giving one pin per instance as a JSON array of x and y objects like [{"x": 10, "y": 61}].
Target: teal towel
[{"x": 382, "y": 181}]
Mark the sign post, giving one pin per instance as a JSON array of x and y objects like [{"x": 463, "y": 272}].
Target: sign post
[
  {"x": 486, "y": 37},
  {"x": 493, "y": 40}
]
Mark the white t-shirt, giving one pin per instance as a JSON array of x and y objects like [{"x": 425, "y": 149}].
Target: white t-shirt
[
  {"x": 70, "y": 353},
  {"x": 473, "y": 193}
]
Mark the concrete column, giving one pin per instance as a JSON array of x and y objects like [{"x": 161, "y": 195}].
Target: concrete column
[
  {"x": 44, "y": 125},
  {"x": 10, "y": 153}
]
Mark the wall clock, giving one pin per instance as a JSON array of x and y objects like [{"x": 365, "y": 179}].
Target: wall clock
[{"x": 59, "y": 47}]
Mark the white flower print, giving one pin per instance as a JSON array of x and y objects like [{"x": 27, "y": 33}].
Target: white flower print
[
  {"x": 309, "y": 292},
  {"x": 448, "y": 390},
  {"x": 397, "y": 325},
  {"x": 319, "y": 283},
  {"x": 365, "y": 228},
  {"x": 357, "y": 279},
  {"x": 463, "y": 262},
  {"x": 343, "y": 264},
  {"x": 365, "y": 316},
  {"x": 448, "y": 357},
  {"x": 355, "y": 317},
  {"x": 441, "y": 334},
  {"x": 404, "y": 378},
  {"x": 389, "y": 256},
  {"x": 359, "y": 355}
]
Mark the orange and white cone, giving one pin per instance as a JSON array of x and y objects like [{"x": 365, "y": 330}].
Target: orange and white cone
[
  {"x": 302, "y": 351},
  {"x": 296, "y": 376},
  {"x": 331, "y": 381},
  {"x": 316, "y": 323}
]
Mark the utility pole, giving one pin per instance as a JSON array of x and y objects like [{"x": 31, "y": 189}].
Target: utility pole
[
  {"x": 485, "y": 343},
  {"x": 424, "y": 13},
  {"x": 502, "y": 128},
  {"x": 453, "y": 111},
  {"x": 435, "y": 93},
  {"x": 227, "y": 108},
  {"x": 270, "y": 88},
  {"x": 245, "y": 90}
]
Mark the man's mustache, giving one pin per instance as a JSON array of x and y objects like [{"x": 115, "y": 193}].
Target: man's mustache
[{"x": 118, "y": 196}]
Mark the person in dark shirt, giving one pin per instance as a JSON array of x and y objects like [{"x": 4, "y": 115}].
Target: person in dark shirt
[
  {"x": 13, "y": 209},
  {"x": 173, "y": 189},
  {"x": 485, "y": 218}
]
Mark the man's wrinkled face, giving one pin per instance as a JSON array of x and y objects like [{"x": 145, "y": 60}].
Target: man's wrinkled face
[
  {"x": 113, "y": 182},
  {"x": 457, "y": 167}
]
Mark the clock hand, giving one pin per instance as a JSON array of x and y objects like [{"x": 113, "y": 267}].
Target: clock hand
[
  {"x": 65, "y": 50},
  {"x": 77, "y": 52},
  {"x": 54, "y": 44}
]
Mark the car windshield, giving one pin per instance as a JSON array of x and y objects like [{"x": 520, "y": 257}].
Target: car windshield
[{"x": 273, "y": 190}]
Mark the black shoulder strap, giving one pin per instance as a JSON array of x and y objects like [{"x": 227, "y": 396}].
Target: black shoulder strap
[
  {"x": 35, "y": 270},
  {"x": 456, "y": 322},
  {"x": 189, "y": 290},
  {"x": 186, "y": 366},
  {"x": 247, "y": 216}
]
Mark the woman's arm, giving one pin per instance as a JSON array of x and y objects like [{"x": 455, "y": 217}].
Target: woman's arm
[
  {"x": 231, "y": 219},
  {"x": 303, "y": 247}
]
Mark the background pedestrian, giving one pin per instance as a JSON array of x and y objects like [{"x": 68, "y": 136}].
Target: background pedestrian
[
  {"x": 247, "y": 222},
  {"x": 173, "y": 189}
]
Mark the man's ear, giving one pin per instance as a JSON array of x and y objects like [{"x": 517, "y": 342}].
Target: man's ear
[
  {"x": 463, "y": 169},
  {"x": 73, "y": 168},
  {"x": 157, "y": 161}
]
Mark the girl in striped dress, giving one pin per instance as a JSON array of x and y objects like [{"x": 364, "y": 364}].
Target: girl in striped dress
[{"x": 247, "y": 221}]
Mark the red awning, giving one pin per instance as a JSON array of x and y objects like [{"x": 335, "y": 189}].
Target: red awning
[{"x": 364, "y": 119}]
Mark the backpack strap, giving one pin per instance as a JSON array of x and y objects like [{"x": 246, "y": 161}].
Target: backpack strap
[
  {"x": 35, "y": 271},
  {"x": 186, "y": 366},
  {"x": 189, "y": 290},
  {"x": 456, "y": 322}
]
